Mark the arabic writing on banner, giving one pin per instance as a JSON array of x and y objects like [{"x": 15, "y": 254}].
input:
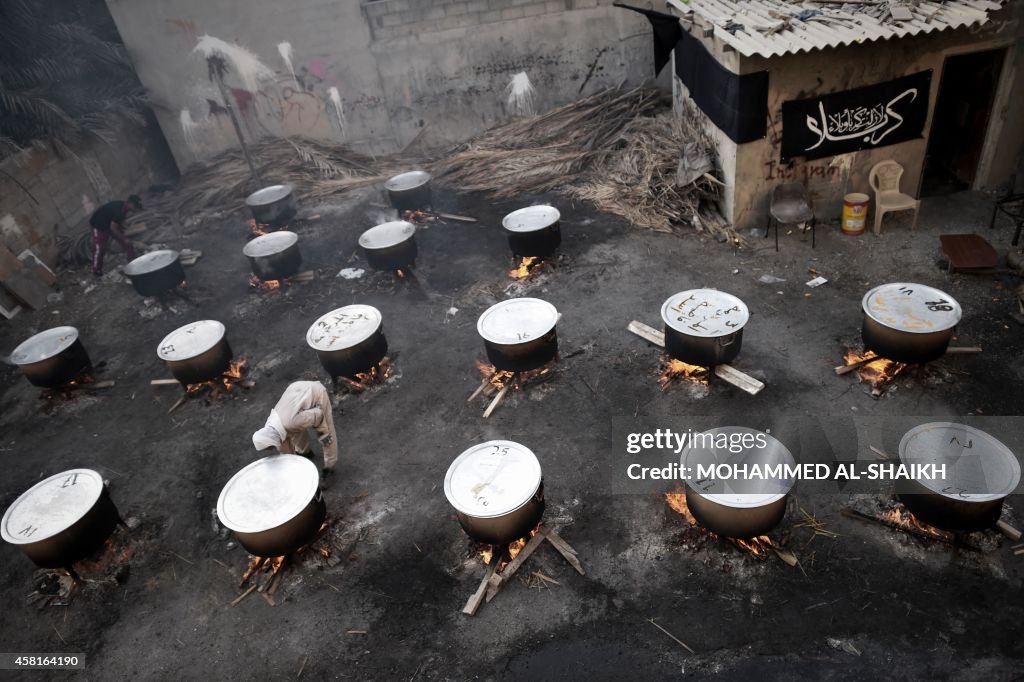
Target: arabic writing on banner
[{"x": 863, "y": 118}]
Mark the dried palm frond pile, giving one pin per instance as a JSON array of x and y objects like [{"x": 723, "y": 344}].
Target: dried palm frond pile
[
  {"x": 316, "y": 169},
  {"x": 621, "y": 150}
]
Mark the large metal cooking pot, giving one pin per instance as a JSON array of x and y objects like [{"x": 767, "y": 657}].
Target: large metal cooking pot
[
  {"x": 52, "y": 358},
  {"x": 409, "y": 191},
  {"x": 274, "y": 256},
  {"x": 62, "y": 519},
  {"x": 349, "y": 340},
  {"x": 533, "y": 231},
  {"x": 274, "y": 505},
  {"x": 197, "y": 352},
  {"x": 390, "y": 246},
  {"x": 273, "y": 206},
  {"x": 155, "y": 273},
  {"x": 908, "y": 322},
  {"x": 520, "y": 334},
  {"x": 497, "y": 491},
  {"x": 741, "y": 507},
  {"x": 980, "y": 472},
  {"x": 704, "y": 326}
]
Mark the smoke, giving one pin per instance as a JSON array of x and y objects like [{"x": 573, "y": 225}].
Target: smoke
[
  {"x": 247, "y": 65},
  {"x": 380, "y": 216},
  {"x": 520, "y": 95}
]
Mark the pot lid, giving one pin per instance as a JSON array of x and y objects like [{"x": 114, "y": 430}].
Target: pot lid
[
  {"x": 44, "y": 345},
  {"x": 386, "y": 235},
  {"x": 51, "y": 506},
  {"x": 268, "y": 493},
  {"x": 705, "y": 313},
  {"x": 492, "y": 479},
  {"x": 735, "y": 446},
  {"x": 344, "y": 327},
  {"x": 909, "y": 307},
  {"x": 270, "y": 244},
  {"x": 268, "y": 195},
  {"x": 406, "y": 181},
  {"x": 517, "y": 320},
  {"x": 191, "y": 340},
  {"x": 151, "y": 262},
  {"x": 531, "y": 219},
  {"x": 979, "y": 468}
]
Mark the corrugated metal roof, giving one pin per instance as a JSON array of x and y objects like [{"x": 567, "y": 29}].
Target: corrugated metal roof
[{"x": 830, "y": 27}]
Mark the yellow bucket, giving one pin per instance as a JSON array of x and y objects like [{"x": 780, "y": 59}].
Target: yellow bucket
[{"x": 855, "y": 213}]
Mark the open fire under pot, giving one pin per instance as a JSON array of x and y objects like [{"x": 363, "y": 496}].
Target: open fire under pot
[
  {"x": 197, "y": 352},
  {"x": 274, "y": 256},
  {"x": 909, "y": 323},
  {"x": 533, "y": 232},
  {"x": 52, "y": 358},
  {"x": 274, "y": 505},
  {"x": 390, "y": 246},
  {"x": 741, "y": 507},
  {"x": 980, "y": 473},
  {"x": 409, "y": 191},
  {"x": 156, "y": 273},
  {"x": 273, "y": 206},
  {"x": 62, "y": 519},
  {"x": 349, "y": 341}
]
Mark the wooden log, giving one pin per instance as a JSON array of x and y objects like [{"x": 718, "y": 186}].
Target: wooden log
[
  {"x": 649, "y": 334},
  {"x": 460, "y": 218},
  {"x": 251, "y": 571},
  {"x": 109, "y": 383},
  {"x": 474, "y": 601},
  {"x": 567, "y": 552},
  {"x": 963, "y": 350},
  {"x": 304, "y": 276},
  {"x": 1008, "y": 530},
  {"x": 740, "y": 380},
  {"x": 846, "y": 369},
  {"x": 164, "y": 382},
  {"x": 515, "y": 564},
  {"x": 243, "y": 595},
  {"x": 181, "y": 401},
  {"x": 881, "y": 455},
  {"x": 480, "y": 389},
  {"x": 498, "y": 398}
]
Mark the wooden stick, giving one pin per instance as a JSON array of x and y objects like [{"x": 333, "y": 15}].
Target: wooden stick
[
  {"x": 243, "y": 595},
  {"x": 267, "y": 598},
  {"x": 498, "y": 398},
  {"x": 181, "y": 401},
  {"x": 649, "y": 334},
  {"x": 1008, "y": 530},
  {"x": 567, "y": 552},
  {"x": 854, "y": 514},
  {"x": 460, "y": 218},
  {"x": 962, "y": 350},
  {"x": 353, "y": 383},
  {"x": 787, "y": 557},
  {"x": 1019, "y": 552},
  {"x": 740, "y": 380},
  {"x": 164, "y": 382},
  {"x": 109, "y": 383},
  {"x": 499, "y": 579},
  {"x": 878, "y": 452},
  {"x": 474, "y": 601},
  {"x": 676, "y": 639},
  {"x": 480, "y": 389},
  {"x": 251, "y": 571},
  {"x": 846, "y": 369}
]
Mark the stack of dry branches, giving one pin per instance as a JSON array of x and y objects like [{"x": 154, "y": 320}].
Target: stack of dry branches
[{"x": 619, "y": 149}]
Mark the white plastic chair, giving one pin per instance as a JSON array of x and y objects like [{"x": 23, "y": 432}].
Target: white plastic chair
[{"x": 884, "y": 178}]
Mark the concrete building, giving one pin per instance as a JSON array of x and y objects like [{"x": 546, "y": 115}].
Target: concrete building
[{"x": 961, "y": 132}]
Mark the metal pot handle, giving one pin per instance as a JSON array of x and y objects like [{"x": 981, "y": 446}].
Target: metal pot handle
[{"x": 724, "y": 341}]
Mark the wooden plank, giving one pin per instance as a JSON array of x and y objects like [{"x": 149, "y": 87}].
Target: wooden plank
[
  {"x": 740, "y": 380},
  {"x": 513, "y": 566},
  {"x": 243, "y": 595},
  {"x": 1008, "y": 530},
  {"x": 498, "y": 398},
  {"x": 963, "y": 350},
  {"x": 567, "y": 552},
  {"x": 649, "y": 334},
  {"x": 846, "y": 369},
  {"x": 474, "y": 601},
  {"x": 164, "y": 382}
]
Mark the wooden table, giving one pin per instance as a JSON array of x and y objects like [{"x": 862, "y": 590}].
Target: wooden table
[{"x": 969, "y": 252}]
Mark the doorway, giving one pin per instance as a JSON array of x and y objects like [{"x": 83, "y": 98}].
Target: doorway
[{"x": 960, "y": 120}]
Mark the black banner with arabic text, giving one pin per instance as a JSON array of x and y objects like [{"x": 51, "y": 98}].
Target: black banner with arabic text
[{"x": 863, "y": 118}]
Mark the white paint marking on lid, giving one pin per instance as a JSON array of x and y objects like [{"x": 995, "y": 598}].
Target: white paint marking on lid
[
  {"x": 191, "y": 340},
  {"x": 44, "y": 345},
  {"x": 344, "y": 327},
  {"x": 51, "y": 506},
  {"x": 705, "y": 313},
  {"x": 531, "y": 218},
  {"x": 492, "y": 479},
  {"x": 979, "y": 467},
  {"x": 386, "y": 235},
  {"x": 517, "y": 320},
  {"x": 268, "y": 493},
  {"x": 914, "y": 308}
]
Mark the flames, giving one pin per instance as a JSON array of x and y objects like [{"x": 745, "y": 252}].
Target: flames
[
  {"x": 400, "y": 273},
  {"x": 877, "y": 372},
  {"x": 377, "y": 374},
  {"x": 500, "y": 378},
  {"x": 758, "y": 546},
  {"x": 526, "y": 266},
  {"x": 268, "y": 285},
  {"x": 417, "y": 217},
  {"x": 256, "y": 229},
  {"x": 900, "y": 517},
  {"x": 233, "y": 375},
  {"x": 673, "y": 370},
  {"x": 513, "y": 550}
]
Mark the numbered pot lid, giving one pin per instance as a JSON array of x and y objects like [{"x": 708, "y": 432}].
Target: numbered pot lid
[
  {"x": 268, "y": 195},
  {"x": 734, "y": 446},
  {"x": 705, "y": 313},
  {"x": 914, "y": 308},
  {"x": 268, "y": 493},
  {"x": 51, "y": 506},
  {"x": 344, "y": 327},
  {"x": 492, "y": 479},
  {"x": 979, "y": 468},
  {"x": 151, "y": 262},
  {"x": 517, "y": 320},
  {"x": 270, "y": 244},
  {"x": 406, "y": 181},
  {"x": 531, "y": 219},
  {"x": 191, "y": 340},
  {"x": 44, "y": 345},
  {"x": 386, "y": 235}
]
